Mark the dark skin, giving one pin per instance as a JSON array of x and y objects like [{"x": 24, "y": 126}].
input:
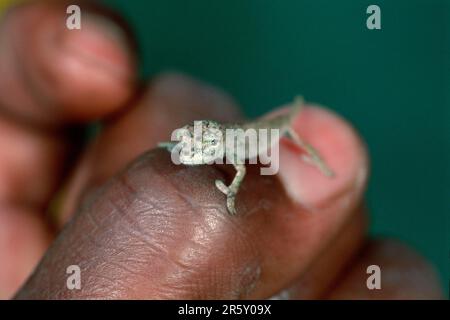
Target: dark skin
[{"x": 142, "y": 227}]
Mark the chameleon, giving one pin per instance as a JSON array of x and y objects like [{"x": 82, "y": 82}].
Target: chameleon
[{"x": 211, "y": 144}]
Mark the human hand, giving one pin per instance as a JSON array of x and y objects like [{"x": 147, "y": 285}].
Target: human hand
[{"x": 151, "y": 229}]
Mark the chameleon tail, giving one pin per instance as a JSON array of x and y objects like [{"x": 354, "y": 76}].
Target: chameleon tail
[
  {"x": 297, "y": 106},
  {"x": 312, "y": 156}
]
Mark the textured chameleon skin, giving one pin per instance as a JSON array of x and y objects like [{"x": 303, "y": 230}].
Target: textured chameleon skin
[{"x": 205, "y": 150}]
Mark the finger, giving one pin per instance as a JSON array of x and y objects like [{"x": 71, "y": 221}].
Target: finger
[
  {"x": 165, "y": 232},
  {"x": 30, "y": 164},
  {"x": 32, "y": 159},
  {"x": 51, "y": 75},
  {"x": 23, "y": 239},
  {"x": 325, "y": 270},
  {"x": 39, "y": 91},
  {"x": 403, "y": 274}
]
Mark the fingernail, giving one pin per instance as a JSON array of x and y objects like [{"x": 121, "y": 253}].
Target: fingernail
[
  {"x": 340, "y": 148},
  {"x": 100, "y": 44}
]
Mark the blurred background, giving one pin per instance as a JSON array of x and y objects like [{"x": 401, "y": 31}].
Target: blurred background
[{"x": 390, "y": 83}]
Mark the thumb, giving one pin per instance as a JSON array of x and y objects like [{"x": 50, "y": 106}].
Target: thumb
[{"x": 157, "y": 230}]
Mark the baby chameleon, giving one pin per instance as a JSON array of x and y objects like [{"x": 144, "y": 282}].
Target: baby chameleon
[{"x": 211, "y": 146}]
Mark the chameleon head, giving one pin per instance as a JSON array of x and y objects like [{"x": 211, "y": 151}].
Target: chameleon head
[{"x": 201, "y": 143}]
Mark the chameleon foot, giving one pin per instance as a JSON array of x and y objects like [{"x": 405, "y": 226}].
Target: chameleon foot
[
  {"x": 222, "y": 187},
  {"x": 167, "y": 145},
  {"x": 231, "y": 196},
  {"x": 233, "y": 188},
  {"x": 230, "y": 203}
]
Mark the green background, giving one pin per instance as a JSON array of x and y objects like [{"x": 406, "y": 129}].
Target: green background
[{"x": 389, "y": 83}]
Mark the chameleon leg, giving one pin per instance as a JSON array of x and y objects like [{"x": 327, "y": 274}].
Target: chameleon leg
[
  {"x": 233, "y": 188},
  {"x": 167, "y": 145},
  {"x": 313, "y": 156}
]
